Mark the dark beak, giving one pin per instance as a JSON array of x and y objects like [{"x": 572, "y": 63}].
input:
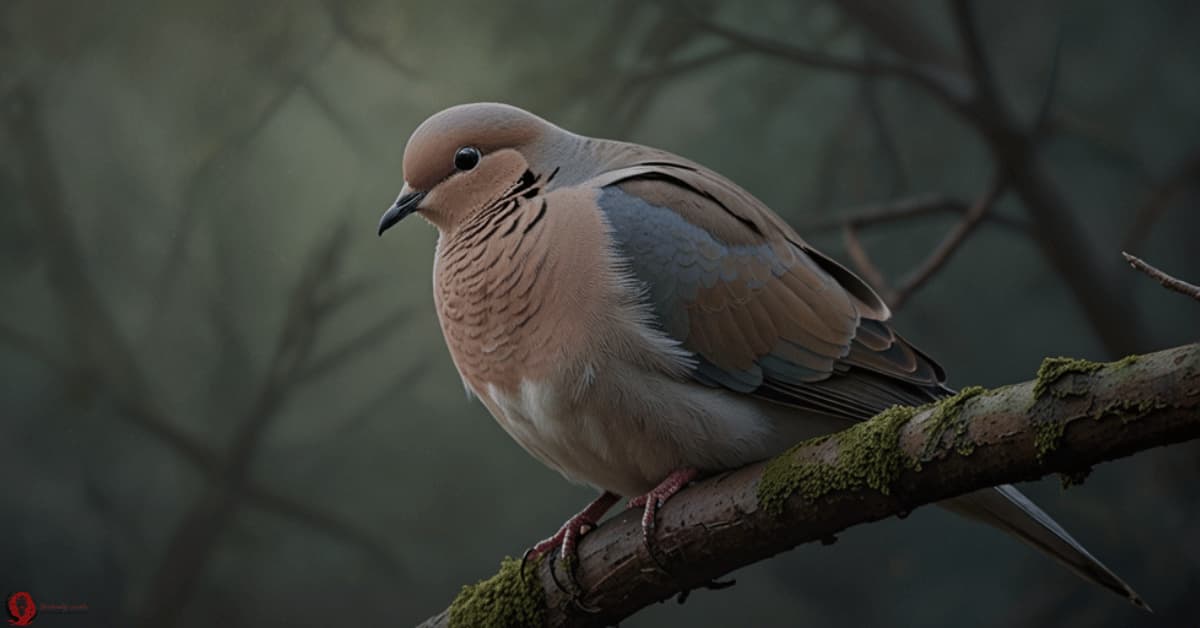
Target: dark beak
[{"x": 405, "y": 205}]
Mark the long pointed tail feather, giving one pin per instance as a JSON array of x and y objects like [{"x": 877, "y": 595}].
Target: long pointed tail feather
[{"x": 1004, "y": 507}]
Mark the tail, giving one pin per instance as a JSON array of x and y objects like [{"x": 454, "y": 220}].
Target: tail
[{"x": 1006, "y": 508}]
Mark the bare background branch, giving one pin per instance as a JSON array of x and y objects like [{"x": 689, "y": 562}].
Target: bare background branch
[{"x": 1167, "y": 281}]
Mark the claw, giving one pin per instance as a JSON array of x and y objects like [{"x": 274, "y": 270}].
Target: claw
[
  {"x": 565, "y": 540},
  {"x": 525, "y": 560},
  {"x": 650, "y": 503},
  {"x": 557, "y": 583}
]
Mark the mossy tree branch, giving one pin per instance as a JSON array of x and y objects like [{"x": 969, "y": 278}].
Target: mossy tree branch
[{"x": 1074, "y": 415}]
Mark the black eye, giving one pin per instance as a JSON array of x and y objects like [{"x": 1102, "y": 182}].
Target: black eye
[{"x": 466, "y": 158}]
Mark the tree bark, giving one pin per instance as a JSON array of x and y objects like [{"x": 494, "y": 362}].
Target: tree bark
[{"x": 1074, "y": 415}]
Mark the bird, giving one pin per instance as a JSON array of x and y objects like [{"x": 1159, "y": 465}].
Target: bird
[{"x": 635, "y": 320}]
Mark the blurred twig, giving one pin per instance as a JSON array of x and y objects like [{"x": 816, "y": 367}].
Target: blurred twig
[
  {"x": 862, "y": 260},
  {"x": 1043, "y": 121},
  {"x": 1167, "y": 281},
  {"x": 896, "y": 297},
  {"x": 658, "y": 49},
  {"x": 883, "y": 131},
  {"x": 682, "y": 68},
  {"x": 832, "y": 152},
  {"x": 942, "y": 83},
  {"x": 28, "y": 345},
  {"x": 905, "y": 209},
  {"x": 352, "y": 347},
  {"x": 949, "y": 245},
  {"x": 366, "y": 43},
  {"x": 387, "y": 398},
  {"x": 979, "y": 67},
  {"x": 900, "y": 29},
  {"x": 1185, "y": 174},
  {"x": 1100, "y": 138},
  {"x": 329, "y": 108}
]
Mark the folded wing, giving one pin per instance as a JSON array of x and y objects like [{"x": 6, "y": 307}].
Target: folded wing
[{"x": 765, "y": 314}]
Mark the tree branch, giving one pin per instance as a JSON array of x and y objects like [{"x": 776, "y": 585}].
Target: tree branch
[
  {"x": 1167, "y": 281},
  {"x": 1056, "y": 225},
  {"x": 885, "y": 139},
  {"x": 907, "y": 209},
  {"x": 1162, "y": 196},
  {"x": 862, "y": 261},
  {"x": 954, "y": 240},
  {"x": 371, "y": 44},
  {"x": 1076, "y": 414},
  {"x": 680, "y": 69},
  {"x": 944, "y": 84},
  {"x": 978, "y": 65},
  {"x": 896, "y": 297}
]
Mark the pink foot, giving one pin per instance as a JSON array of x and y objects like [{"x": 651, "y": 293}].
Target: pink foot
[
  {"x": 657, "y": 497},
  {"x": 575, "y": 527}
]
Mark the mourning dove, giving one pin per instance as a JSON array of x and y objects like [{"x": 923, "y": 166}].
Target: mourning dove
[{"x": 634, "y": 319}]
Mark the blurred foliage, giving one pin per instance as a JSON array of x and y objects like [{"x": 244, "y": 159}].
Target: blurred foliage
[{"x": 226, "y": 402}]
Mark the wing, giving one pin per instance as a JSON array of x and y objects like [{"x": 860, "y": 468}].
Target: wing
[{"x": 765, "y": 314}]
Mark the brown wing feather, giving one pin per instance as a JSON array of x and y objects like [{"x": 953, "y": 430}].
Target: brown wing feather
[{"x": 767, "y": 314}]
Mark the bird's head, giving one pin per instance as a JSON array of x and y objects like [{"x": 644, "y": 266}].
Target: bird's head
[{"x": 463, "y": 158}]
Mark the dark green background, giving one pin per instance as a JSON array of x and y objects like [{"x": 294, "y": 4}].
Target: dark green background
[{"x": 181, "y": 181}]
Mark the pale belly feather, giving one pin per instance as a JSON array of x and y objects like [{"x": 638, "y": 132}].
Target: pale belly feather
[{"x": 629, "y": 428}]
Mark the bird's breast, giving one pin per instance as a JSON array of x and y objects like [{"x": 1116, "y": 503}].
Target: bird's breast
[
  {"x": 519, "y": 292},
  {"x": 548, "y": 329}
]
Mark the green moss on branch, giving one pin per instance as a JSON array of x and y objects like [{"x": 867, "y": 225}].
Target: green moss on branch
[
  {"x": 513, "y": 597},
  {"x": 1050, "y": 382},
  {"x": 868, "y": 454},
  {"x": 947, "y": 418},
  {"x": 1053, "y": 369}
]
